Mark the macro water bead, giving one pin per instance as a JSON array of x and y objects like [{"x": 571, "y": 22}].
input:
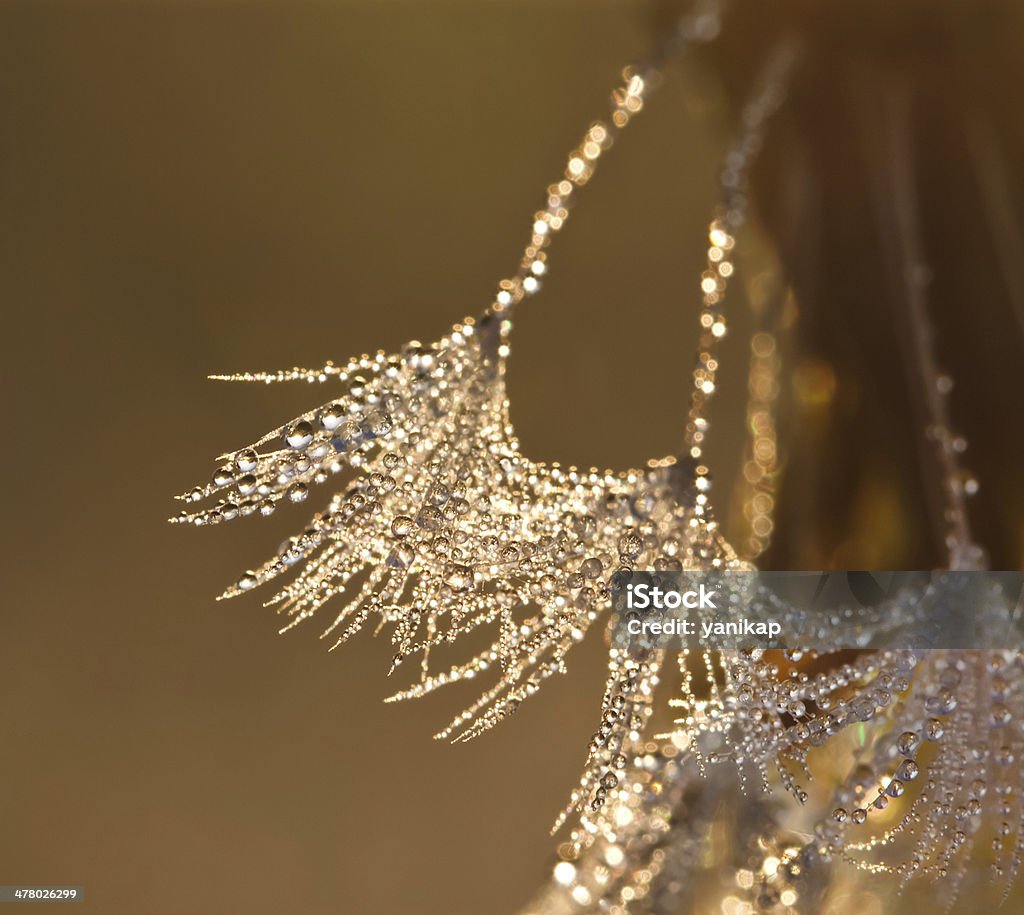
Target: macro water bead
[
  {"x": 247, "y": 460},
  {"x": 907, "y": 742},
  {"x": 402, "y": 526},
  {"x": 299, "y": 435},
  {"x": 333, "y": 416}
]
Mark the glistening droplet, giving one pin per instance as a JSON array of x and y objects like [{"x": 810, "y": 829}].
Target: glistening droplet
[{"x": 299, "y": 435}]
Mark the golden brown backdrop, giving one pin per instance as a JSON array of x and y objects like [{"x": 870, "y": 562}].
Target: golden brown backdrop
[{"x": 198, "y": 187}]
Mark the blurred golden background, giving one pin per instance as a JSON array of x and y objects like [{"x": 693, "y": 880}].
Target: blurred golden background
[{"x": 188, "y": 188}]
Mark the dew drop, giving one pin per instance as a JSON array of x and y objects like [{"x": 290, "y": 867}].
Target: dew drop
[
  {"x": 379, "y": 424},
  {"x": 222, "y": 476},
  {"x": 439, "y": 494},
  {"x": 1000, "y": 716},
  {"x": 591, "y": 568},
  {"x": 942, "y": 703},
  {"x": 402, "y": 526},
  {"x": 332, "y": 416},
  {"x": 630, "y": 544},
  {"x": 299, "y": 435},
  {"x": 247, "y": 460},
  {"x": 907, "y": 742},
  {"x": 459, "y": 577}
]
